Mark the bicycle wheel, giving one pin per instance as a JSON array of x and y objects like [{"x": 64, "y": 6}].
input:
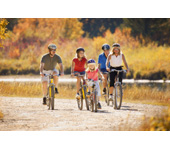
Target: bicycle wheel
[
  {"x": 107, "y": 96},
  {"x": 52, "y": 97},
  {"x": 95, "y": 101},
  {"x": 86, "y": 99},
  {"x": 118, "y": 96},
  {"x": 80, "y": 101},
  {"x": 91, "y": 105}
]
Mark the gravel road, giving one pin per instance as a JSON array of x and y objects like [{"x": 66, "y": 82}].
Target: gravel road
[{"x": 28, "y": 114}]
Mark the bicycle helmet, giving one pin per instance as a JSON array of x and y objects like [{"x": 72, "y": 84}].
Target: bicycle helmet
[
  {"x": 105, "y": 47},
  {"x": 117, "y": 45},
  {"x": 91, "y": 61},
  {"x": 80, "y": 49},
  {"x": 52, "y": 47}
]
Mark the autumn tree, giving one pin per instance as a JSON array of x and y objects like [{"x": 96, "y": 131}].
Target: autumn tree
[{"x": 3, "y": 30}]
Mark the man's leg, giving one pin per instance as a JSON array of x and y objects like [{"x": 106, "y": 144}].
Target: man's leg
[
  {"x": 104, "y": 84},
  {"x": 55, "y": 81},
  {"x": 44, "y": 87}
]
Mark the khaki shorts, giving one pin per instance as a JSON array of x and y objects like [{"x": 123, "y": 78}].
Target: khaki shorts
[
  {"x": 48, "y": 72},
  {"x": 97, "y": 86}
]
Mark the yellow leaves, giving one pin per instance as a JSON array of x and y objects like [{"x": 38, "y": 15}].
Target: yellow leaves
[{"x": 3, "y": 32}]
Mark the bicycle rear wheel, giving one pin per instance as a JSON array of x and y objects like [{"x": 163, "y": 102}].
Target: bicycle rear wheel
[
  {"x": 80, "y": 101},
  {"x": 118, "y": 96}
]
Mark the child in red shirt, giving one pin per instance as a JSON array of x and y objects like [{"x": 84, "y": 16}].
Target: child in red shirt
[{"x": 78, "y": 67}]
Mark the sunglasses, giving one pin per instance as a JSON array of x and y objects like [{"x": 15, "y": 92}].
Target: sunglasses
[
  {"x": 116, "y": 49},
  {"x": 53, "y": 50}
]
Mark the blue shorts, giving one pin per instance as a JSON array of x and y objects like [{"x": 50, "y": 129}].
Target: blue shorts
[
  {"x": 81, "y": 73},
  {"x": 103, "y": 71}
]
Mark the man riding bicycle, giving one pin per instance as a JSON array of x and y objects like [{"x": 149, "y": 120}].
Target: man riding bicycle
[
  {"x": 48, "y": 66},
  {"x": 102, "y": 64}
]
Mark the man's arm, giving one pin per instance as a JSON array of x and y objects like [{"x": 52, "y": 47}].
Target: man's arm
[
  {"x": 41, "y": 68},
  {"x": 107, "y": 62},
  {"x": 61, "y": 68}
]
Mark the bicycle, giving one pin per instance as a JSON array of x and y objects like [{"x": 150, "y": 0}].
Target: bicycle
[
  {"x": 82, "y": 93},
  {"x": 50, "y": 91},
  {"x": 93, "y": 104},
  {"x": 118, "y": 93}
]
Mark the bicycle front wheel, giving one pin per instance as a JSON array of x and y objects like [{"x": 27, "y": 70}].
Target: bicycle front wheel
[
  {"x": 95, "y": 101},
  {"x": 118, "y": 96},
  {"x": 52, "y": 97},
  {"x": 86, "y": 99},
  {"x": 80, "y": 101}
]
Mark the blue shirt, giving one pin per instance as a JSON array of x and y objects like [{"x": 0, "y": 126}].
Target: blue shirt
[{"x": 102, "y": 61}]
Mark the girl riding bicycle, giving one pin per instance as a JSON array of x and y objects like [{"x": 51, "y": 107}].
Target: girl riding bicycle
[
  {"x": 115, "y": 60},
  {"x": 78, "y": 67},
  {"x": 92, "y": 73}
]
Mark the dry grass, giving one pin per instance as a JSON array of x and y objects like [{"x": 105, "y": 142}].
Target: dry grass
[
  {"x": 157, "y": 123},
  {"x": 147, "y": 95},
  {"x": 142, "y": 94}
]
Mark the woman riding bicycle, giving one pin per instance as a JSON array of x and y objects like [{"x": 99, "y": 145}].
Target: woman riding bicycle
[
  {"x": 78, "y": 67},
  {"x": 115, "y": 60},
  {"x": 92, "y": 73}
]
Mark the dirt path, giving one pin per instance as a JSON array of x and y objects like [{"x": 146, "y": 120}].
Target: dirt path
[{"x": 30, "y": 114}]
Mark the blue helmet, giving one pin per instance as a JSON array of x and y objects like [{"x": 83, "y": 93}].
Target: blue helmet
[
  {"x": 105, "y": 47},
  {"x": 91, "y": 61}
]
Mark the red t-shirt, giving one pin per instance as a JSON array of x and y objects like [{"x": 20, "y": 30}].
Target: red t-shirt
[{"x": 79, "y": 65}]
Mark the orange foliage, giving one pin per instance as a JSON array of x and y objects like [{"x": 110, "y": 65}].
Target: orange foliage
[{"x": 14, "y": 53}]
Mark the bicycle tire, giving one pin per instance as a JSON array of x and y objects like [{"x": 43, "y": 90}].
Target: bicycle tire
[
  {"x": 52, "y": 97},
  {"x": 95, "y": 101},
  {"x": 118, "y": 96},
  {"x": 80, "y": 101},
  {"x": 86, "y": 99},
  {"x": 107, "y": 96},
  {"x": 91, "y": 105}
]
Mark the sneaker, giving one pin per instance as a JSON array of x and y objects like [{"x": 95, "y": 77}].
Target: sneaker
[
  {"x": 77, "y": 96},
  {"x": 88, "y": 94},
  {"x": 44, "y": 101},
  {"x": 99, "y": 105},
  {"x": 110, "y": 97},
  {"x": 104, "y": 92},
  {"x": 56, "y": 90}
]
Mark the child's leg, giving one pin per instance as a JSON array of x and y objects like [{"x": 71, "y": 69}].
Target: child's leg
[{"x": 78, "y": 84}]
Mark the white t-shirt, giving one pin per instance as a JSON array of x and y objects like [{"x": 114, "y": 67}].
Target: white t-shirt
[{"x": 116, "y": 61}]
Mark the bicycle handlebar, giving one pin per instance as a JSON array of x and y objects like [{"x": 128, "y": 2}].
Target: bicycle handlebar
[
  {"x": 114, "y": 70},
  {"x": 52, "y": 75}
]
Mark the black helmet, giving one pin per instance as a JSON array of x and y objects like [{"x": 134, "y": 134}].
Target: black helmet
[
  {"x": 52, "y": 47},
  {"x": 80, "y": 49},
  {"x": 116, "y": 45},
  {"x": 105, "y": 47}
]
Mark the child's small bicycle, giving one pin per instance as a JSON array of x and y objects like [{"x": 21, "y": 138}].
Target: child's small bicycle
[{"x": 93, "y": 103}]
